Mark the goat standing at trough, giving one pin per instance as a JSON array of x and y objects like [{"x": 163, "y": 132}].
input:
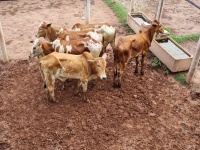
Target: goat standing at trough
[
  {"x": 132, "y": 46},
  {"x": 67, "y": 66}
]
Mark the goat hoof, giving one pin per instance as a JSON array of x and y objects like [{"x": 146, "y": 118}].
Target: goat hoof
[
  {"x": 87, "y": 100},
  {"x": 117, "y": 85},
  {"x": 114, "y": 85},
  {"x": 63, "y": 88},
  {"x": 91, "y": 85},
  {"x": 136, "y": 73},
  {"x": 77, "y": 93},
  {"x": 53, "y": 101}
]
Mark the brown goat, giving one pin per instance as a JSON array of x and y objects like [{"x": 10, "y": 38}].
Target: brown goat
[
  {"x": 132, "y": 46},
  {"x": 51, "y": 33},
  {"x": 48, "y": 32}
]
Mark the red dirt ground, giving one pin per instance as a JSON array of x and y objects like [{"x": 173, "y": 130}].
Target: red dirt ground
[{"x": 149, "y": 112}]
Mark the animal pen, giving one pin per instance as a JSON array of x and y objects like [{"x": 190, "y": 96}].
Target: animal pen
[
  {"x": 149, "y": 112},
  {"x": 174, "y": 56}
]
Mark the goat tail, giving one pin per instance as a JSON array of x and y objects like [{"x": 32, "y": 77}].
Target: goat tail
[{"x": 116, "y": 61}]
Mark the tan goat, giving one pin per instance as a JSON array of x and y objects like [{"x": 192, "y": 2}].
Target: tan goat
[{"x": 132, "y": 46}]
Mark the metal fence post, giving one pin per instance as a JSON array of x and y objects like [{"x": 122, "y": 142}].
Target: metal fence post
[
  {"x": 194, "y": 64},
  {"x": 159, "y": 10},
  {"x": 132, "y": 6}
]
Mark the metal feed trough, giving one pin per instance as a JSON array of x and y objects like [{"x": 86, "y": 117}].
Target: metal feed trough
[
  {"x": 175, "y": 57},
  {"x": 135, "y": 20},
  {"x": 171, "y": 54}
]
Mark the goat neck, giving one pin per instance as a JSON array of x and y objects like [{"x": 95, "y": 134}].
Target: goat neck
[
  {"x": 51, "y": 33},
  {"x": 149, "y": 32},
  {"x": 47, "y": 48}
]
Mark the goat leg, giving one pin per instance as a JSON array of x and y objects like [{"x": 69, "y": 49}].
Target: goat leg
[
  {"x": 116, "y": 75},
  {"x": 136, "y": 67},
  {"x": 84, "y": 84},
  {"x": 142, "y": 63}
]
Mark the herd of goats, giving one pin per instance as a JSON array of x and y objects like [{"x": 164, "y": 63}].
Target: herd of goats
[{"x": 80, "y": 53}]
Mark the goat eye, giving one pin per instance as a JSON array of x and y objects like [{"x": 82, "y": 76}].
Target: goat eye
[{"x": 98, "y": 65}]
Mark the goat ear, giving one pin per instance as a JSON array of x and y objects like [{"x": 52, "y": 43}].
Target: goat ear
[
  {"x": 48, "y": 25},
  {"x": 154, "y": 24},
  {"x": 31, "y": 41}
]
